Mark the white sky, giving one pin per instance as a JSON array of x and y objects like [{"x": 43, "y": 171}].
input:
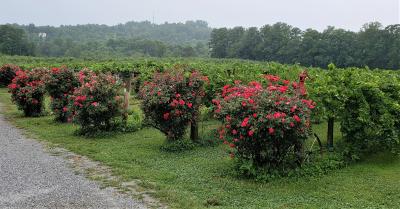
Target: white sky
[{"x": 317, "y": 14}]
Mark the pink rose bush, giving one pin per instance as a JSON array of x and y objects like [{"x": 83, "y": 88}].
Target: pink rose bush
[
  {"x": 96, "y": 103},
  {"x": 171, "y": 100},
  {"x": 27, "y": 91},
  {"x": 60, "y": 85},
  {"x": 265, "y": 125}
]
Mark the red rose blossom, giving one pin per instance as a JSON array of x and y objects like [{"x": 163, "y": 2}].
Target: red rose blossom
[
  {"x": 251, "y": 133},
  {"x": 271, "y": 131},
  {"x": 297, "y": 118},
  {"x": 245, "y": 122}
]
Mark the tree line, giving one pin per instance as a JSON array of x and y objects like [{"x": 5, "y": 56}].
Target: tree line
[
  {"x": 187, "y": 39},
  {"x": 373, "y": 45}
]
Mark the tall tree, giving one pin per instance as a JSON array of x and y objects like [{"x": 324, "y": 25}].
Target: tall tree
[
  {"x": 340, "y": 47},
  {"x": 234, "y": 36},
  {"x": 280, "y": 42},
  {"x": 373, "y": 45},
  {"x": 249, "y": 43},
  {"x": 219, "y": 43},
  {"x": 13, "y": 41},
  {"x": 312, "y": 49},
  {"x": 393, "y": 42}
]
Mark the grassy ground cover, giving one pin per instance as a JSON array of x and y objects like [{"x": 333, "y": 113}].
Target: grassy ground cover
[{"x": 204, "y": 177}]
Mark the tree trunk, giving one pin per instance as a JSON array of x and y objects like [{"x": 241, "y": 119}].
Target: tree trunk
[{"x": 329, "y": 138}]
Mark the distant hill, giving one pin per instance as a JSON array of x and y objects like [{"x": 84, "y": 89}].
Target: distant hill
[
  {"x": 190, "y": 32},
  {"x": 132, "y": 39}
]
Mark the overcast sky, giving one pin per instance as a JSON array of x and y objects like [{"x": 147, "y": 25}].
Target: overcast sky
[{"x": 317, "y": 14}]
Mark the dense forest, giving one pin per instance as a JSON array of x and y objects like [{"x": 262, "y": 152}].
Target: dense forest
[
  {"x": 187, "y": 39},
  {"x": 374, "y": 46}
]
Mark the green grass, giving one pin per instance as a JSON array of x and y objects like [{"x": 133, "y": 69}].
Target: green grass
[{"x": 193, "y": 178}]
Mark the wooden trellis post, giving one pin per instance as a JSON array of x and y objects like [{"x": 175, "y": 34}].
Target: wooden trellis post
[
  {"x": 127, "y": 78},
  {"x": 329, "y": 138},
  {"x": 194, "y": 125}
]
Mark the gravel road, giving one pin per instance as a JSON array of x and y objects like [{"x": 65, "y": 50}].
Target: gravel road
[{"x": 32, "y": 178}]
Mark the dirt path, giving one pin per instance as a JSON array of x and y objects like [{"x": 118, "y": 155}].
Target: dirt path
[{"x": 30, "y": 177}]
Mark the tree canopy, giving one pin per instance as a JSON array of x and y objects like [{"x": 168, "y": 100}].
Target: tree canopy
[
  {"x": 374, "y": 46},
  {"x": 13, "y": 41},
  {"x": 130, "y": 39}
]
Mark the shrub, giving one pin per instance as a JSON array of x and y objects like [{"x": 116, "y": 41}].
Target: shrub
[
  {"x": 370, "y": 121},
  {"x": 96, "y": 103},
  {"x": 27, "y": 91},
  {"x": 265, "y": 126},
  {"x": 171, "y": 101},
  {"x": 60, "y": 86},
  {"x": 7, "y": 74}
]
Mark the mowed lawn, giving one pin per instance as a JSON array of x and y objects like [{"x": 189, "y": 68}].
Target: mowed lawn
[{"x": 204, "y": 176}]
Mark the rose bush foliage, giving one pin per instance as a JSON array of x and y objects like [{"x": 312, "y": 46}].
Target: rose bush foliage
[
  {"x": 265, "y": 125},
  {"x": 60, "y": 85},
  {"x": 171, "y": 100},
  {"x": 7, "y": 74},
  {"x": 27, "y": 91},
  {"x": 96, "y": 103}
]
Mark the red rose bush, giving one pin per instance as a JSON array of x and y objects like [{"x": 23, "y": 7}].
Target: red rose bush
[
  {"x": 171, "y": 101},
  {"x": 96, "y": 103},
  {"x": 27, "y": 91},
  {"x": 265, "y": 125},
  {"x": 60, "y": 85},
  {"x": 7, "y": 74}
]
